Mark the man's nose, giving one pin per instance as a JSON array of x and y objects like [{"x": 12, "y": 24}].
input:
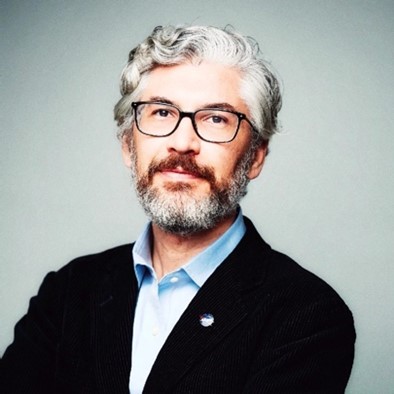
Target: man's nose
[{"x": 184, "y": 139}]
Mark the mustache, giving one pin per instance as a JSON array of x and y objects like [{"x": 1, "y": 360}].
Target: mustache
[{"x": 187, "y": 163}]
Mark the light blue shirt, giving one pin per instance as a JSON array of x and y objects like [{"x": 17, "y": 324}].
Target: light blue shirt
[{"x": 161, "y": 303}]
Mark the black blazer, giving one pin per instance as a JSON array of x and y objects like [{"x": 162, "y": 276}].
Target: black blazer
[{"x": 277, "y": 329}]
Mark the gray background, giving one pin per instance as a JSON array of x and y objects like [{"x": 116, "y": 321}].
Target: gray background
[{"x": 325, "y": 196}]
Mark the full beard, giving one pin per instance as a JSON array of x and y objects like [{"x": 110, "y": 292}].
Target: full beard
[{"x": 177, "y": 210}]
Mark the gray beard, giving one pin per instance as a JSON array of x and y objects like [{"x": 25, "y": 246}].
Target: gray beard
[{"x": 178, "y": 210}]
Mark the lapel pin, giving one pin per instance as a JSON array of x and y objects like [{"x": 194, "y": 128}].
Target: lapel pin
[{"x": 206, "y": 320}]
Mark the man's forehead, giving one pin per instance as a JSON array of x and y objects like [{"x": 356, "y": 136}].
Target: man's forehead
[{"x": 192, "y": 86}]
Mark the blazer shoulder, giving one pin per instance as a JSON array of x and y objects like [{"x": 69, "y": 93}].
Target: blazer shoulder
[
  {"x": 289, "y": 275},
  {"x": 107, "y": 259},
  {"x": 281, "y": 276},
  {"x": 89, "y": 270}
]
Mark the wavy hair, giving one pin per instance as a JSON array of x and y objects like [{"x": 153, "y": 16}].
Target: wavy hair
[{"x": 169, "y": 45}]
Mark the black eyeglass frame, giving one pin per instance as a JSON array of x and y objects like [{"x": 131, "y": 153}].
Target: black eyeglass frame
[{"x": 191, "y": 116}]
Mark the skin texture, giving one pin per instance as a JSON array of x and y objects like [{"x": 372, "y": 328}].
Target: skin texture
[{"x": 191, "y": 87}]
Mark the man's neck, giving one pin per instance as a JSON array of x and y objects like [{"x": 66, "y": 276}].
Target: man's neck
[{"x": 171, "y": 251}]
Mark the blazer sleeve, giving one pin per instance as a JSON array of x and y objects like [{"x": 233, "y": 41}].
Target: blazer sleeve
[
  {"x": 28, "y": 364},
  {"x": 311, "y": 350}
]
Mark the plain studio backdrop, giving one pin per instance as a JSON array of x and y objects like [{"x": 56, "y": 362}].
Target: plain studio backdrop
[{"x": 325, "y": 196}]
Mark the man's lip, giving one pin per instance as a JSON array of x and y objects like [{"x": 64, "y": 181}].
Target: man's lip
[{"x": 180, "y": 172}]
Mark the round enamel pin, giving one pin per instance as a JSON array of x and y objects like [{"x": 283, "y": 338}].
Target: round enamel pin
[{"x": 206, "y": 320}]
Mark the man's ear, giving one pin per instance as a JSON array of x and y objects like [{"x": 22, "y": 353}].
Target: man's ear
[
  {"x": 126, "y": 150},
  {"x": 258, "y": 161}
]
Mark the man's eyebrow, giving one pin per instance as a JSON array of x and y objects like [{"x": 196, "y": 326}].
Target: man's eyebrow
[
  {"x": 218, "y": 105},
  {"x": 161, "y": 99},
  {"x": 226, "y": 106}
]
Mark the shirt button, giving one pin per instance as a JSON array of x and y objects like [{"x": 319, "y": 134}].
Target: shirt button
[
  {"x": 155, "y": 331},
  {"x": 174, "y": 279}
]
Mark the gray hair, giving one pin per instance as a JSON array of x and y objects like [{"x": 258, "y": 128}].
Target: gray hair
[{"x": 171, "y": 45}]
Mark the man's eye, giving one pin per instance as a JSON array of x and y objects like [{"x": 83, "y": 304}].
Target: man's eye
[
  {"x": 217, "y": 119},
  {"x": 162, "y": 113}
]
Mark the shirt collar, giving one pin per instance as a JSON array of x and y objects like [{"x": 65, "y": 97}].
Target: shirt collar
[
  {"x": 141, "y": 254},
  {"x": 201, "y": 266}
]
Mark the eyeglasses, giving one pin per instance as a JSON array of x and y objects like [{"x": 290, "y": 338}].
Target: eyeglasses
[{"x": 211, "y": 125}]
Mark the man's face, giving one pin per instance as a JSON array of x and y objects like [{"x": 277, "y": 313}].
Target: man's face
[{"x": 186, "y": 184}]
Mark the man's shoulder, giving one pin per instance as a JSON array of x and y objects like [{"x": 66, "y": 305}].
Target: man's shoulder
[
  {"x": 115, "y": 254},
  {"x": 279, "y": 275},
  {"x": 94, "y": 266},
  {"x": 293, "y": 281}
]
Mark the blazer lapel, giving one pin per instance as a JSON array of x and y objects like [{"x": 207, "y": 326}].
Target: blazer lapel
[
  {"x": 113, "y": 307},
  {"x": 223, "y": 297}
]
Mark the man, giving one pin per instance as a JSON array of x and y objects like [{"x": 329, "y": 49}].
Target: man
[{"x": 200, "y": 303}]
